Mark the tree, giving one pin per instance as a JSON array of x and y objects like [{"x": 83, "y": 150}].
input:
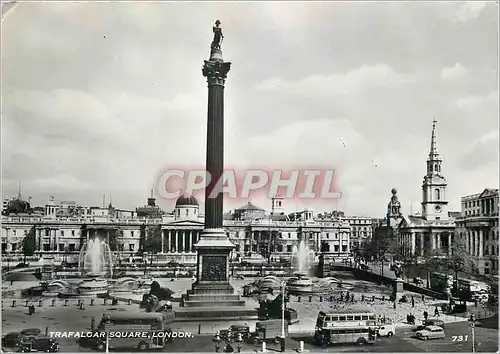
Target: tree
[
  {"x": 29, "y": 244},
  {"x": 114, "y": 236},
  {"x": 151, "y": 242}
]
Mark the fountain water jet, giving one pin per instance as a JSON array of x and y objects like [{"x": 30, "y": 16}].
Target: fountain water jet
[
  {"x": 95, "y": 259},
  {"x": 302, "y": 257}
]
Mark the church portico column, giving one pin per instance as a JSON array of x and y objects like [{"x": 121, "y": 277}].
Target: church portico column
[
  {"x": 176, "y": 245},
  {"x": 449, "y": 244},
  {"x": 412, "y": 235},
  {"x": 421, "y": 244},
  {"x": 162, "y": 241}
]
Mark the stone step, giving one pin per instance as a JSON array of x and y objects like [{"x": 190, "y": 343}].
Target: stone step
[
  {"x": 210, "y": 297},
  {"x": 215, "y": 303},
  {"x": 215, "y": 313}
]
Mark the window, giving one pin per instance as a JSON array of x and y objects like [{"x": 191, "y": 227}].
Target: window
[
  {"x": 357, "y": 318},
  {"x": 62, "y": 232},
  {"x": 14, "y": 247},
  {"x": 350, "y": 318},
  {"x": 46, "y": 247},
  {"x": 132, "y": 233},
  {"x": 4, "y": 247},
  {"x": 131, "y": 247},
  {"x": 342, "y": 318},
  {"x": 72, "y": 232},
  {"x": 61, "y": 247},
  {"x": 14, "y": 232},
  {"x": 71, "y": 247},
  {"x": 438, "y": 194},
  {"x": 289, "y": 248}
]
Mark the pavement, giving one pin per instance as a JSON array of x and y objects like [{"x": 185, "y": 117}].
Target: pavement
[{"x": 71, "y": 318}]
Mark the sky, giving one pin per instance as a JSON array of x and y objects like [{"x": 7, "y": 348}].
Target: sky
[{"x": 101, "y": 98}]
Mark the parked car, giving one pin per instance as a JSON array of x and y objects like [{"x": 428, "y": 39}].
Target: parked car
[
  {"x": 235, "y": 329},
  {"x": 430, "y": 332},
  {"x": 364, "y": 267},
  {"x": 39, "y": 344},
  {"x": 387, "y": 330},
  {"x": 11, "y": 340}
]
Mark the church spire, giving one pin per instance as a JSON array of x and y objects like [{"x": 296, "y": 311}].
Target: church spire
[
  {"x": 433, "y": 161},
  {"x": 19, "y": 191},
  {"x": 433, "y": 153}
]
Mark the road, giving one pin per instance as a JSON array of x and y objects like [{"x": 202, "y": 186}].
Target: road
[{"x": 486, "y": 341}]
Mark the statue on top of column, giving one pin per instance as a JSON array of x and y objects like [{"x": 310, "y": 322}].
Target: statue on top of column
[{"x": 218, "y": 36}]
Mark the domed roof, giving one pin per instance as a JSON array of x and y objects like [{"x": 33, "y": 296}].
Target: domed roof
[{"x": 186, "y": 200}]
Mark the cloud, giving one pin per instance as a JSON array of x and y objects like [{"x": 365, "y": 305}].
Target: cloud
[
  {"x": 469, "y": 11},
  {"x": 482, "y": 152},
  {"x": 471, "y": 101},
  {"x": 363, "y": 78},
  {"x": 455, "y": 72}
]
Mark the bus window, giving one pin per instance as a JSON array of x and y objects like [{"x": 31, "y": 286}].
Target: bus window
[
  {"x": 364, "y": 330},
  {"x": 357, "y": 318},
  {"x": 349, "y": 331},
  {"x": 334, "y": 318},
  {"x": 350, "y": 318},
  {"x": 342, "y": 331},
  {"x": 364, "y": 318},
  {"x": 335, "y": 332},
  {"x": 372, "y": 317},
  {"x": 341, "y": 318}
]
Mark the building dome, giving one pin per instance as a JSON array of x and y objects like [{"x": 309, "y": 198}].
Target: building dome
[{"x": 186, "y": 200}]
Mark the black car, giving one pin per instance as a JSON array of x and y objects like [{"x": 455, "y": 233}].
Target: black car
[
  {"x": 39, "y": 344},
  {"x": 235, "y": 329},
  {"x": 11, "y": 340},
  {"x": 364, "y": 267}
]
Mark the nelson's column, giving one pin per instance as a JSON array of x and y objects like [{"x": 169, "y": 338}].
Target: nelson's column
[{"x": 211, "y": 295}]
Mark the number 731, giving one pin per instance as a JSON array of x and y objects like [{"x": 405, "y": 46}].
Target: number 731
[{"x": 459, "y": 338}]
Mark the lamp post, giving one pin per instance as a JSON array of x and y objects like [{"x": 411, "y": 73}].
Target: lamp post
[
  {"x": 283, "y": 286},
  {"x": 472, "y": 321}
]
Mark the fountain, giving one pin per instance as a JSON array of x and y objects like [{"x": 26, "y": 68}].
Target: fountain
[
  {"x": 94, "y": 261},
  {"x": 302, "y": 258}
]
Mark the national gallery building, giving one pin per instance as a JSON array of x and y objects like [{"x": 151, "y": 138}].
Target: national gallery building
[{"x": 61, "y": 229}]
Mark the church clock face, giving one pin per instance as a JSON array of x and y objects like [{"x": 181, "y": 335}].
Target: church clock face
[{"x": 437, "y": 208}]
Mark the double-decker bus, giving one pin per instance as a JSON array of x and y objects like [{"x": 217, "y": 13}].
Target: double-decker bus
[
  {"x": 347, "y": 326},
  {"x": 123, "y": 331}
]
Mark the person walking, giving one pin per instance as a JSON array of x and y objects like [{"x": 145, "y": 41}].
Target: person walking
[
  {"x": 436, "y": 312},
  {"x": 217, "y": 342},
  {"x": 426, "y": 315},
  {"x": 412, "y": 302},
  {"x": 92, "y": 324}
]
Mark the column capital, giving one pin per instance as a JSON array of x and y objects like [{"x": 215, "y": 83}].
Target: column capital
[{"x": 216, "y": 72}]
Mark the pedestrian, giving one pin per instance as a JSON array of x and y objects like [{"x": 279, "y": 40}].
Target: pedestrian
[
  {"x": 475, "y": 302},
  {"x": 362, "y": 297},
  {"x": 436, "y": 312},
  {"x": 352, "y": 298},
  {"x": 423, "y": 297},
  {"x": 217, "y": 342},
  {"x": 394, "y": 305},
  {"x": 426, "y": 315},
  {"x": 412, "y": 302},
  {"x": 92, "y": 324},
  {"x": 239, "y": 339}
]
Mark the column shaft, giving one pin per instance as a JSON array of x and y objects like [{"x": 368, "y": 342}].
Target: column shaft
[{"x": 215, "y": 155}]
